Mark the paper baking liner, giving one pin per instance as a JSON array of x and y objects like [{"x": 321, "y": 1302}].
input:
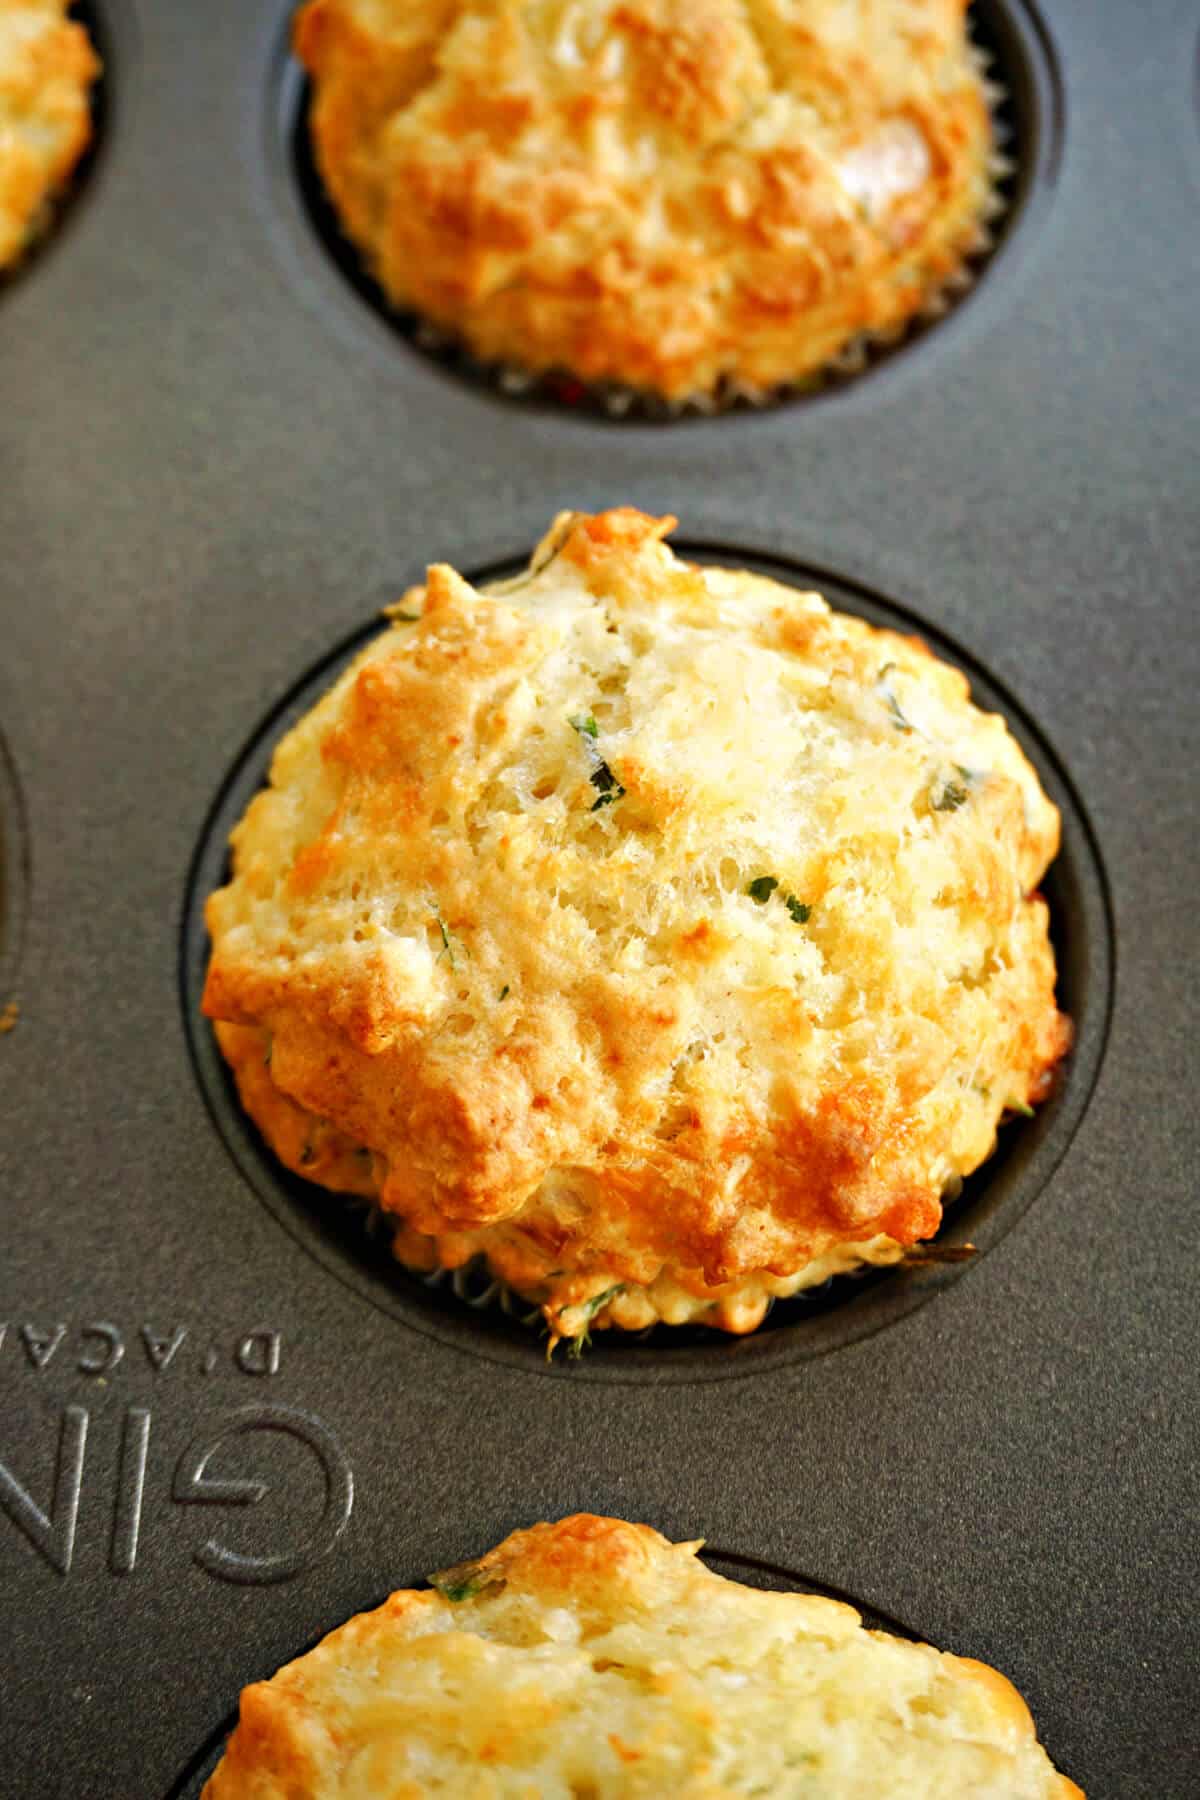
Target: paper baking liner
[
  {"x": 617, "y": 401},
  {"x": 475, "y": 1286}
]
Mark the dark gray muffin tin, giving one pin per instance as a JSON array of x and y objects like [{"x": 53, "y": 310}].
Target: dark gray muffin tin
[{"x": 226, "y": 1421}]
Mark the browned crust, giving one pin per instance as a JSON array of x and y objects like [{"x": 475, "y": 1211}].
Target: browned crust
[
  {"x": 297, "y": 1731},
  {"x": 561, "y": 1130},
  {"x": 45, "y": 116},
  {"x": 482, "y": 181}
]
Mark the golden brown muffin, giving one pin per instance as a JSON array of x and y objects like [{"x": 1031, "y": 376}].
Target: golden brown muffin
[
  {"x": 596, "y": 1658},
  {"x": 675, "y": 195},
  {"x": 651, "y": 930},
  {"x": 47, "y": 67}
]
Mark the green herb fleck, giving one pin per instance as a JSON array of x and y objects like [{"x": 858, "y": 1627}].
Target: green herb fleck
[
  {"x": 462, "y": 1590},
  {"x": 801, "y": 912},
  {"x": 947, "y": 796},
  {"x": 589, "y": 1309},
  {"x": 592, "y": 1307},
  {"x": 895, "y": 710},
  {"x": 448, "y": 941},
  {"x": 505, "y": 991},
  {"x": 405, "y": 618},
  {"x": 610, "y": 788},
  {"x": 465, "y": 1581},
  {"x": 1020, "y": 1106},
  {"x": 601, "y": 777},
  {"x": 762, "y": 887}
]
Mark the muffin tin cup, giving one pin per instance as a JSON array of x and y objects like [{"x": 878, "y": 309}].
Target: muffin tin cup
[
  {"x": 227, "y": 1422},
  {"x": 14, "y": 884},
  {"x": 1019, "y": 86},
  {"x": 471, "y": 1308}
]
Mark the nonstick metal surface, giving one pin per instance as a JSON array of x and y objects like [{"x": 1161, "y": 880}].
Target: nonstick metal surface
[{"x": 224, "y": 1424}]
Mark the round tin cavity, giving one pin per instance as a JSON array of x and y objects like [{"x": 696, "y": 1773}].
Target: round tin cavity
[
  {"x": 14, "y": 879},
  {"x": 55, "y": 214},
  {"x": 1026, "y": 99},
  {"x": 468, "y": 1311},
  {"x": 751, "y": 1571}
]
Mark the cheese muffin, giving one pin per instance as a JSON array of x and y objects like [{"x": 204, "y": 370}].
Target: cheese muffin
[
  {"x": 595, "y": 1657},
  {"x": 650, "y": 930},
  {"x": 678, "y": 196},
  {"x": 47, "y": 67}
]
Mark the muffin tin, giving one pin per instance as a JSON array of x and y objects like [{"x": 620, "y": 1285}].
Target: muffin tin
[{"x": 226, "y": 1421}]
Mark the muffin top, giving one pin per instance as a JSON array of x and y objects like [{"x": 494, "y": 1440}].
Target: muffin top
[
  {"x": 674, "y": 195},
  {"x": 595, "y": 1657},
  {"x": 646, "y": 918},
  {"x": 47, "y": 66}
]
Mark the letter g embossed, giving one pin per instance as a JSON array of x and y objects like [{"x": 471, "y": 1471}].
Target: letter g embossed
[{"x": 193, "y": 1484}]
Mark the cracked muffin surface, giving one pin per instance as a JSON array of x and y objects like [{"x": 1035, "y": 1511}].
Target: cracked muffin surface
[
  {"x": 593, "y": 1657},
  {"x": 672, "y": 195},
  {"x": 649, "y": 929},
  {"x": 47, "y": 67}
]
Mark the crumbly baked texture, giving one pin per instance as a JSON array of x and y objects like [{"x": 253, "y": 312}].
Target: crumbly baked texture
[
  {"x": 47, "y": 67},
  {"x": 675, "y": 195},
  {"x": 650, "y": 929},
  {"x": 594, "y": 1658}
]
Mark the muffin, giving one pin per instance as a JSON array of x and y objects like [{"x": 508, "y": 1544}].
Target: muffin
[
  {"x": 47, "y": 67},
  {"x": 650, "y": 930},
  {"x": 685, "y": 197},
  {"x": 595, "y": 1657}
]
